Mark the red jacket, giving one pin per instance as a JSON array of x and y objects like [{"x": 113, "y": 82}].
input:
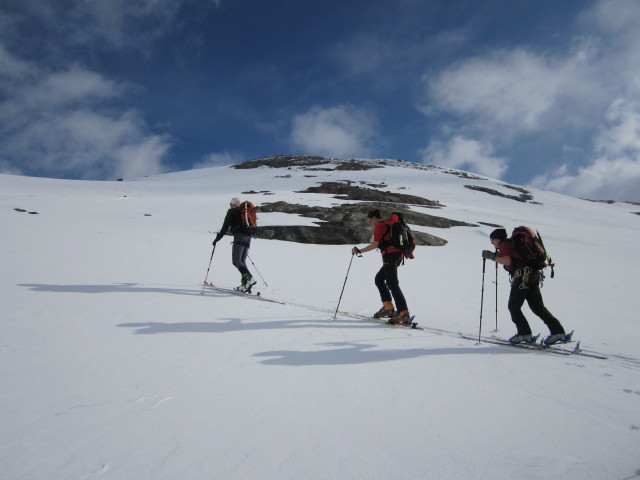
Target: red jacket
[
  {"x": 506, "y": 249},
  {"x": 382, "y": 233}
]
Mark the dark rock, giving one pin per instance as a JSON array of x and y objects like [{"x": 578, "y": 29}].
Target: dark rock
[
  {"x": 346, "y": 191},
  {"x": 524, "y": 197},
  {"x": 309, "y": 163},
  {"x": 347, "y": 224}
]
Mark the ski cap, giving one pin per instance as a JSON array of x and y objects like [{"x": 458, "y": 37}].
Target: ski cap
[
  {"x": 499, "y": 233},
  {"x": 235, "y": 201}
]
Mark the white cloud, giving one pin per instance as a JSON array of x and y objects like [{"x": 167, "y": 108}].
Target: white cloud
[
  {"x": 614, "y": 172},
  {"x": 75, "y": 86},
  {"x": 57, "y": 124},
  {"x": 510, "y": 91},
  {"x": 141, "y": 157},
  {"x": 219, "y": 158},
  {"x": 61, "y": 120},
  {"x": 13, "y": 68},
  {"x": 614, "y": 16},
  {"x": 115, "y": 23},
  {"x": 464, "y": 153},
  {"x": 342, "y": 131},
  {"x": 527, "y": 96},
  {"x": 7, "y": 168},
  {"x": 617, "y": 24}
]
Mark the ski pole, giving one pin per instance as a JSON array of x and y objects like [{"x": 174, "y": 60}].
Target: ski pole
[
  {"x": 484, "y": 262},
  {"x": 207, "y": 275},
  {"x": 496, "y": 297},
  {"x": 254, "y": 266},
  {"x": 344, "y": 285}
]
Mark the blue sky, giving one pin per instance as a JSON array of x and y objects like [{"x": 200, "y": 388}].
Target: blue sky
[{"x": 534, "y": 92}]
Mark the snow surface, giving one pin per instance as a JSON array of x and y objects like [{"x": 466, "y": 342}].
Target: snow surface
[{"x": 115, "y": 365}]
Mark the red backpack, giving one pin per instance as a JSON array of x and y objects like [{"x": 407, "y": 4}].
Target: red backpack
[
  {"x": 530, "y": 246},
  {"x": 248, "y": 217}
]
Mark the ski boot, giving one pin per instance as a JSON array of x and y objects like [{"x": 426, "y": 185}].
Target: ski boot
[
  {"x": 387, "y": 310},
  {"x": 243, "y": 282},
  {"x": 517, "y": 338},
  {"x": 247, "y": 282},
  {"x": 557, "y": 338},
  {"x": 401, "y": 317}
]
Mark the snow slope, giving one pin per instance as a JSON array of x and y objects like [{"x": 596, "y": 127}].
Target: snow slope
[{"x": 115, "y": 365}]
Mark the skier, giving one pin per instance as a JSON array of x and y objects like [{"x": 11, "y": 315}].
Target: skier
[
  {"x": 387, "y": 278},
  {"x": 523, "y": 288},
  {"x": 241, "y": 244}
]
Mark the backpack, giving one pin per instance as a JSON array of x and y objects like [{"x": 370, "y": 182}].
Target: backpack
[
  {"x": 248, "y": 217},
  {"x": 400, "y": 235},
  {"x": 530, "y": 246}
]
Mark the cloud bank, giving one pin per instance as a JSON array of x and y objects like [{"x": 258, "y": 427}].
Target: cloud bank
[
  {"x": 614, "y": 172},
  {"x": 340, "y": 131},
  {"x": 62, "y": 124},
  {"x": 61, "y": 119},
  {"x": 466, "y": 154},
  {"x": 584, "y": 94}
]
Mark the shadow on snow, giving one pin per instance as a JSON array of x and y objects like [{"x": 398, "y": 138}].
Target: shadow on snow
[{"x": 347, "y": 352}]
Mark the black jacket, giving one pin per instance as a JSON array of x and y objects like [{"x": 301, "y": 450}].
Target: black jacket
[{"x": 231, "y": 221}]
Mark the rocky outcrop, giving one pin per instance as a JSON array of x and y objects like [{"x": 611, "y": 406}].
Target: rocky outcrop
[
  {"x": 304, "y": 162},
  {"x": 348, "y": 191},
  {"x": 525, "y": 196},
  {"x": 348, "y": 224}
]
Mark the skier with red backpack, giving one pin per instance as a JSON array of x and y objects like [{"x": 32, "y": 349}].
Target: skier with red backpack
[
  {"x": 523, "y": 256},
  {"x": 395, "y": 241},
  {"x": 241, "y": 221}
]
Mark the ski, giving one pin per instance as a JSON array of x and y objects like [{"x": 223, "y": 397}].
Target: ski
[
  {"x": 256, "y": 295},
  {"x": 556, "y": 349},
  {"x": 413, "y": 325},
  {"x": 575, "y": 350},
  {"x": 507, "y": 343}
]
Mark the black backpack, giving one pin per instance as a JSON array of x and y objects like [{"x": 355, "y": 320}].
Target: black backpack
[
  {"x": 530, "y": 246},
  {"x": 400, "y": 235}
]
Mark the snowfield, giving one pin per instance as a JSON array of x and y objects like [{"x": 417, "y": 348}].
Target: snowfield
[{"x": 116, "y": 363}]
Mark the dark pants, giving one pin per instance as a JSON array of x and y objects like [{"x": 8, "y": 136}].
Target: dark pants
[
  {"x": 387, "y": 281},
  {"x": 533, "y": 296},
  {"x": 239, "y": 252}
]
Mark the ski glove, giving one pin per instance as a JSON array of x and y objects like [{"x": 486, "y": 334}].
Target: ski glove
[
  {"x": 489, "y": 255},
  {"x": 214, "y": 242}
]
